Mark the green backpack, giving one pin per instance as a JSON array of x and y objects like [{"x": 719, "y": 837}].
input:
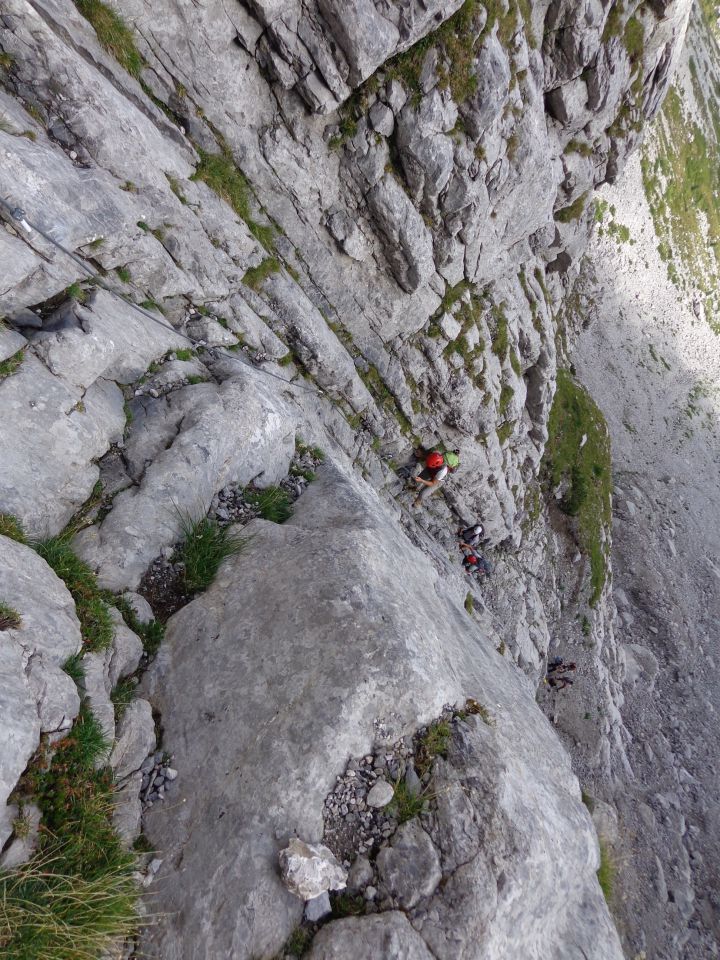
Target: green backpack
[{"x": 452, "y": 460}]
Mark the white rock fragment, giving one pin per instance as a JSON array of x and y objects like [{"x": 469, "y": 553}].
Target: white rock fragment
[{"x": 308, "y": 870}]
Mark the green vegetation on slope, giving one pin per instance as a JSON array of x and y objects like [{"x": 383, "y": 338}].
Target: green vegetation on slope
[
  {"x": 92, "y": 610},
  {"x": 77, "y": 895},
  {"x": 220, "y": 173},
  {"x": 205, "y": 545},
  {"x": 586, "y": 467},
  {"x": 113, "y": 33},
  {"x": 681, "y": 176}
]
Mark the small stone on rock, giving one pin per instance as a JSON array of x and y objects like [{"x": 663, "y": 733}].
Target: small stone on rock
[{"x": 380, "y": 795}]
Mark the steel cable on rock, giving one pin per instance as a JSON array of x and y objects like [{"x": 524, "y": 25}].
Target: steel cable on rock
[{"x": 27, "y": 226}]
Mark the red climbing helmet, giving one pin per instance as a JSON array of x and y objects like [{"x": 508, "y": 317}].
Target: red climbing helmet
[
  {"x": 472, "y": 558},
  {"x": 434, "y": 460}
]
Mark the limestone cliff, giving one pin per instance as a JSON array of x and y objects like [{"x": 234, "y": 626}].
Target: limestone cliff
[{"x": 233, "y": 225}]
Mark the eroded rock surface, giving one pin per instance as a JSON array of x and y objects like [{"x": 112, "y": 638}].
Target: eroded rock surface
[{"x": 363, "y": 643}]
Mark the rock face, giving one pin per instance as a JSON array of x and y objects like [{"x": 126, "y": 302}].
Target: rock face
[
  {"x": 314, "y": 226},
  {"x": 362, "y": 645}
]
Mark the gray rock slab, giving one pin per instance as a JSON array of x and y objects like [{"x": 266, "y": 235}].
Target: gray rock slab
[
  {"x": 369, "y": 938},
  {"x": 105, "y": 338},
  {"x": 125, "y": 651},
  {"x": 409, "y": 868},
  {"x": 405, "y": 652},
  {"x": 140, "y": 607},
  {"x": 135, "y": 739},
  {"x": 51, "y": 437},
  {"x": 127, "y": 812},
  {"x": 239, "y": 432}
]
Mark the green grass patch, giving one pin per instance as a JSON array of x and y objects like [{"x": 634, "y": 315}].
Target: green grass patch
[
  {"x": 12, "y": 528},
  {"x": 122, "y": 696},
  {"x": 500, "y": 342},
  {"x": 405, "y": 804},
  {"x": 123, "y": 273},
  {"x": 506, "y": 395},
  {"x": 113, "y": 33},
  {"x": 76, "y": 896},
  {"x": 302, "y": 448},
  {"x": 256, "y": 276},
  {"x": 681, "y": 177},
  {"x": 587, "y": 469},
  {"x": 434, "y": 743},
  {"x": 505, "y": 431},
  {"x": 607, "y": 871},
  {"x": 221, "y": 174},
  {"x": 9, "y": 619},
  {"x": 151, "y": 633},
  {"x": 579, "y": 146},
  {"x": 76, "y": 292},
  {"x": 298, "y": 943},
  {"x": 469, "y": 603},
  {"x": 205, "y": 545},
  {"x": 12, "y": 364},
  {"x": 634, "y": 39},
  {"x": 573, "y": 212},
  {"x": 345, "y": 905},
  {"x": 74, "y": 668},
  {"x": 184, "y": 354},
  {"x": 273, "y": 503},
  {"x": 93, "y": 613}
]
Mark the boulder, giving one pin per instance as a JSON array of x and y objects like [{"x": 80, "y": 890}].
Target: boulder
[
  {"x": 135, "y": 739},
  {"x": 369, "y": 938},
  {"x": 409, "y": 868},
  {"x": 308, "y": 870},
  {"x": 380, "y": 794}
]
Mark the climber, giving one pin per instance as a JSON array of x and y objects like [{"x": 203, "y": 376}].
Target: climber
[
  {"x": 432, "y": 474},
  {"x": 476, "y": 565},
  {"x": 558, "y": 664},
  {"x": 470, "y": 537},
  {"x": 559, "y": 683}
]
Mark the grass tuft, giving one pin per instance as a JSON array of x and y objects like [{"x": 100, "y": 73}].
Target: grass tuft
[
  {"x": 151, "y": 633},
  {"x": 405, "y": 804},
  {"x": 607, "y": 871},
  {"x": 12, "y": 528},
  {"x": 205, "y": 545},
  {"x": 113, "y": 33},
  {"x": 76, "y": 897},
  {"x": 93, "y": 613},
  {"x": 573, "y": 212},
  {"x": 9, "y": 619},
  {"x": 255, "y": 276},
  {"x": 273, "y": 503},
  {"x": 220, "y": 173},
  {"x": 11, "y": 364}
]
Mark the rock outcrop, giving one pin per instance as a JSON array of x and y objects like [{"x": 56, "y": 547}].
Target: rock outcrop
[{"x": 379, "y": 635}]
